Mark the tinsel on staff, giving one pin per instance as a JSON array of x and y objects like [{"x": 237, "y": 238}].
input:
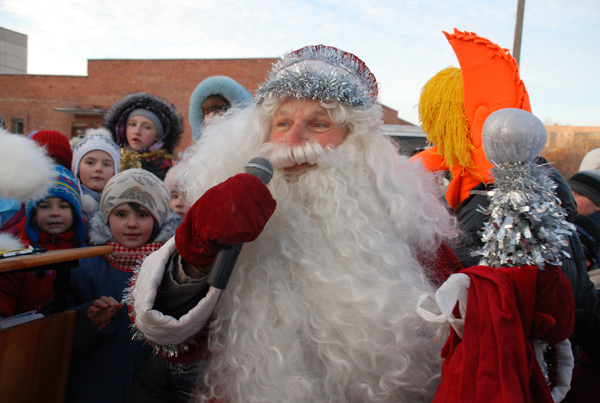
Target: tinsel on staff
[{"x": 526, "y": 226}]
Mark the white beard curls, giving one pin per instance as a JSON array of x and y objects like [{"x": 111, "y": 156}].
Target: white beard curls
[
  {"x": 321, "y": 307},
  {"x": 285, "y": 156}
]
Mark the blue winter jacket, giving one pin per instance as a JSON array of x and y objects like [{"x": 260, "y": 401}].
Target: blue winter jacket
[{"x": 105, "y": 361}]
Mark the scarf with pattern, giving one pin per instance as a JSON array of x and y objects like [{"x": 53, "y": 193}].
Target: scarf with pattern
[{"x": 125, "y": 259}]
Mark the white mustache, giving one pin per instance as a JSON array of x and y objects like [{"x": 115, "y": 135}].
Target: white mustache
[{"x": 285, "y": 156}]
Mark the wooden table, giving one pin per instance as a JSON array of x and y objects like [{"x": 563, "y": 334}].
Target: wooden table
[
  {"x": 35, "y": 357},
  {"x": 60, "y": 260}
]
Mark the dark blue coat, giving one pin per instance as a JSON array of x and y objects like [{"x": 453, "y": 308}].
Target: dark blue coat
[{"x": 105, "y": 361}]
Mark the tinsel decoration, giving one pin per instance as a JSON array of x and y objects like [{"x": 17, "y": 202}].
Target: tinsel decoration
[
  {"x": 131, "y": 159},
  {"x": 356, "y": 87},
  {"x": 526, "y": 225}
]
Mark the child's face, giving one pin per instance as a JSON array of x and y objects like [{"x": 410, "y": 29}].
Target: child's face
[
  {"x": 179, "y": 203},
  {"x": 95, "y": 169},
  {"x": 141, "y": 133},
  {"x": 584, "y": 205},
  {"x": 54, "y": 215},
  {"x": 208, "y": 115},
  {"x": 131, "y": 228}
]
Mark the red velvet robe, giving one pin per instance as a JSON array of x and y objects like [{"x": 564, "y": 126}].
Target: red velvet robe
[{"x": 507, "y": 308}]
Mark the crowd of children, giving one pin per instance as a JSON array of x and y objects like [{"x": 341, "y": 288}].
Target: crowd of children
[{"x": 106, "y": 190}]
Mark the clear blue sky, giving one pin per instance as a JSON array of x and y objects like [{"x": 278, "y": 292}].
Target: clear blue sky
[{"x": 401, "y": 41}]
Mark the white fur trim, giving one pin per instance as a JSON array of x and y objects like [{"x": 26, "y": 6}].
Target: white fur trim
[
  {"x": 89, "y": 205},
  {"x": 26, "y": 168},
  {"x": 564, "y": 370},
  {"x": 74, "y": 141},
  {"x": 99, "y": 130},
  {"x": 9, "y": 242},
  {"x": 159, "y": 328}
]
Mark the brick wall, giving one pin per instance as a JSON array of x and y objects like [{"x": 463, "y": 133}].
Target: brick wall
[{"x": 34, "y": 97}]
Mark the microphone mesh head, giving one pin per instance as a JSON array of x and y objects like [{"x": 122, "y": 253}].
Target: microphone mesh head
[{"x": 261, "y": 168}]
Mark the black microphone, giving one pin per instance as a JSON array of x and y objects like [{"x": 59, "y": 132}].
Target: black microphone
[{"x": 227, "y": 256}]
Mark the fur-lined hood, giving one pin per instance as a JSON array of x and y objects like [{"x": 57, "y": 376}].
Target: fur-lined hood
[
  {"x": 115, "y": 120},
  {"x": 227, "y": 87},
  {"x": 99, "y": 232}
]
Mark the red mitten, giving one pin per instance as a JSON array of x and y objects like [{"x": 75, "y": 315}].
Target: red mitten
[
  {"x": 554, "y": 298},
  {"x": 234, "y": 211}
]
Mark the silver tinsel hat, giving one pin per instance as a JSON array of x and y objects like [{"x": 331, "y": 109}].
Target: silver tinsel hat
[
  {"x": 526, "y": 225},
  {"x": 324, "y": 73}
]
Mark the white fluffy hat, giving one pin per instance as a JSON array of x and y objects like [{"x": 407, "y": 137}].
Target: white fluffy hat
[{"x": 26, "y": 168}]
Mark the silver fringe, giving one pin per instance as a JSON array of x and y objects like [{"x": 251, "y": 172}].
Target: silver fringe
[
  {"x": 526, "y": 225},
  {"x": 541, "y": 348},
  {"x": 169, "y": 350},
  {"x": 357, "y": 89}
]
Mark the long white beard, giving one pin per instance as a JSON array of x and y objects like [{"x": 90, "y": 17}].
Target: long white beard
[{"x": 321, "y": 307}]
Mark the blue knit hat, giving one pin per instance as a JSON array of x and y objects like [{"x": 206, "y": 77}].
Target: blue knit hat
[{"x": 64, "y": 186}]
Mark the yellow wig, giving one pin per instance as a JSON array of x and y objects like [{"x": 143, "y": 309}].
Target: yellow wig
[{"x": 442, "y": 117}]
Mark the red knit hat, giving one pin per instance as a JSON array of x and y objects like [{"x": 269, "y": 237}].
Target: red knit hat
[{"x": 57, "y": 145}]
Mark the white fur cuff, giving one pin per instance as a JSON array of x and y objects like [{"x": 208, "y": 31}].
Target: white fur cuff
[{"x": 164, "y": 330}]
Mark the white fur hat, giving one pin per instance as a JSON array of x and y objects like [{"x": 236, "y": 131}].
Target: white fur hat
[{"x": 26, "y": 168}]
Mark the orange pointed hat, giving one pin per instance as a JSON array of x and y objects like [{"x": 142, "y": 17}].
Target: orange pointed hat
[{"x": 490, "y": 81}]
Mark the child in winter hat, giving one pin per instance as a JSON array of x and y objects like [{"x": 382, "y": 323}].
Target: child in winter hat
[
  {"x": 57, "y": 145},
  {"x": 134, "y": 218},
  {"x": 53, "y": 223},
  {"x": 66, "y": 189},
  {"x": 96, "y": 159},
  {"x": 180, "y": 203},
  {"x": 215, "y": 95},
  {"x": 147, "y": 129},
  {"x": 586, "y": 190}
]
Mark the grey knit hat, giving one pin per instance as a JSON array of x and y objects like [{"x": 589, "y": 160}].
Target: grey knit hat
[
  {"x": 136, "y": 186},
  {"x": 587, "y": 183},
  {"x": 148, "y": 114}
]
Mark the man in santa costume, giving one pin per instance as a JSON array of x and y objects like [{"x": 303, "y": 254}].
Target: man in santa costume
[{"x": 338, "y": 248}]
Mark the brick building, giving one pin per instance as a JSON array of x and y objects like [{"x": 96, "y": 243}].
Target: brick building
[
  {"x": 567, "y": 145},
  {"x": 71, "y": 104}
]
